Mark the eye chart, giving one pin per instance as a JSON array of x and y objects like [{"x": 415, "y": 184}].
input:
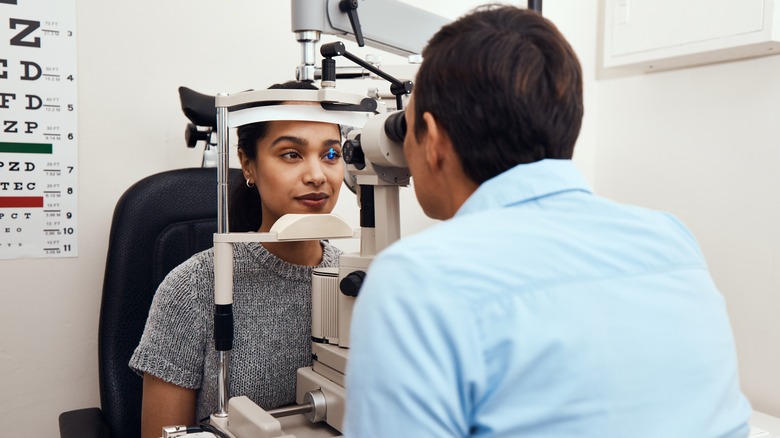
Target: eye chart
[{"x": 38, "y": 122}]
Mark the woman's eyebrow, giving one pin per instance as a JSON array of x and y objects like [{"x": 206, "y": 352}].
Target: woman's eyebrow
[
  {"x": 297, "y": 140},
  {"x": 332, "y": 142},
  {"x": 303, "y": 142}
]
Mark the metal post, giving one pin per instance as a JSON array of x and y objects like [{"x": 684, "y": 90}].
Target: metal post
[
  {"x": 222, "y": 169},
  {"x": 222, "y": 228}
]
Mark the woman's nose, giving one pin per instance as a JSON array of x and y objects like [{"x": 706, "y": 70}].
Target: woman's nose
[{"x": 314, "y": 173}]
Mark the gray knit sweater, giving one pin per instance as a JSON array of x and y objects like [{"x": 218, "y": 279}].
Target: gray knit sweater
[{"x": 272, "y": 311}]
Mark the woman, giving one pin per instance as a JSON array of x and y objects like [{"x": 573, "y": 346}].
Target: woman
[{"x": 294, "y": 167}]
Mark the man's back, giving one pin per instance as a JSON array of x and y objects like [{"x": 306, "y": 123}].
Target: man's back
[{"x": 542, "y": 310}]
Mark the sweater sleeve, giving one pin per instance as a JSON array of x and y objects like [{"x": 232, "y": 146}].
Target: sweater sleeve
[{"x": 174, "y": 341}]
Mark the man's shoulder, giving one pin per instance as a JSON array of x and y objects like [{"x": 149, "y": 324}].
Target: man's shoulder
[
  {"x": 663, "y": 222},
  {"x": 437, "y": 238}
]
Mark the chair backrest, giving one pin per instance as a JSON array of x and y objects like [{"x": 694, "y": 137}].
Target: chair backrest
[{"x": 158, "y": 223}]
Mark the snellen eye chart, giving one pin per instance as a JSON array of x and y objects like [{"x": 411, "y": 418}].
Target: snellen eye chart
[{"x": 38, "y": 129}]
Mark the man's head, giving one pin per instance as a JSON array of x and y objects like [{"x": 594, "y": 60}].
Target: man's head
[{"x": 504, "y": 86}]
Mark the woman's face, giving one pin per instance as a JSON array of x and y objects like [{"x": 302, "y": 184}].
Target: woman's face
[{"x": 298, "y": 169}]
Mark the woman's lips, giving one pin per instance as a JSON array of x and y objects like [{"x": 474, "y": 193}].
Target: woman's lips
[{"x": 313, "y": 200}]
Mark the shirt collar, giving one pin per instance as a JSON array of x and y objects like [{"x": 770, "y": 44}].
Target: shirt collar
[{"x": 526, "y": 182}]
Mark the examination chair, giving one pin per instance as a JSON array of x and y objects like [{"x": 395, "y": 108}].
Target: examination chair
[{"x": 158, "y": 223}]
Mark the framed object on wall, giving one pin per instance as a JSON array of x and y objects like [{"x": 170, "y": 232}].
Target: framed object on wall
[{"x": 38, "y": 135}]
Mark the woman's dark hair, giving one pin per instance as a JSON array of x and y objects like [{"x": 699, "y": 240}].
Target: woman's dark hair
[
  {"x": 505, "y": 85},
  {"x": 245, "y": 210}
]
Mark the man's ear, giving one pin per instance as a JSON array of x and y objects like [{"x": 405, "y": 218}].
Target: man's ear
[{"x": 437, "y": 142}]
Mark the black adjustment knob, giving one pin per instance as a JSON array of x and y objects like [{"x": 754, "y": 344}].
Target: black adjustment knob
[
  {"x": 328, "y": 70},
  {"x": 350, "y": 285},
  {"x": 405, "y": 87},
  {"x": 336, "y": 48},
  {"x": 192, "y": 135},
  {"x": 353, "y": 153}
]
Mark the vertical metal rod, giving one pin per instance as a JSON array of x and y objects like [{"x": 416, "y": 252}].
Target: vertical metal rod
[
  {"x": 222, "y": 384},
  {"x": 222, "y": 227},
  {"x": 535, "y": 5},
  {"x": 308, "y": 40},
  {"x": 388, "y": 213},
  {"x": 222, "y": 169}
]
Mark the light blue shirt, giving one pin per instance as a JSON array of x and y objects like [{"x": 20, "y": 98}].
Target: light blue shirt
[{"x": 541, "y": 310}]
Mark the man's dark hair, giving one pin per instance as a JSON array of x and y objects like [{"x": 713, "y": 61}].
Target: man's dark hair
[
  {"x": 506, "y": 87},
  {"x": 245, "y": 209}
]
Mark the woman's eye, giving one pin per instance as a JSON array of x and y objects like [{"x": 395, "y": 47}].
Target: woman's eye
[
  {"x": 332, "y": 155},
  {"x": 291, "y": 155}
]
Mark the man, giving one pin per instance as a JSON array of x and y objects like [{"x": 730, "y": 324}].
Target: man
[{"x": 536, "y": 309}]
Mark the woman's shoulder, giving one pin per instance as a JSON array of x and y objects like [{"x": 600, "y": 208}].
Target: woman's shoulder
[
  {"x": 190, "y": 278},
  {"x": 196, "y": 264}
]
